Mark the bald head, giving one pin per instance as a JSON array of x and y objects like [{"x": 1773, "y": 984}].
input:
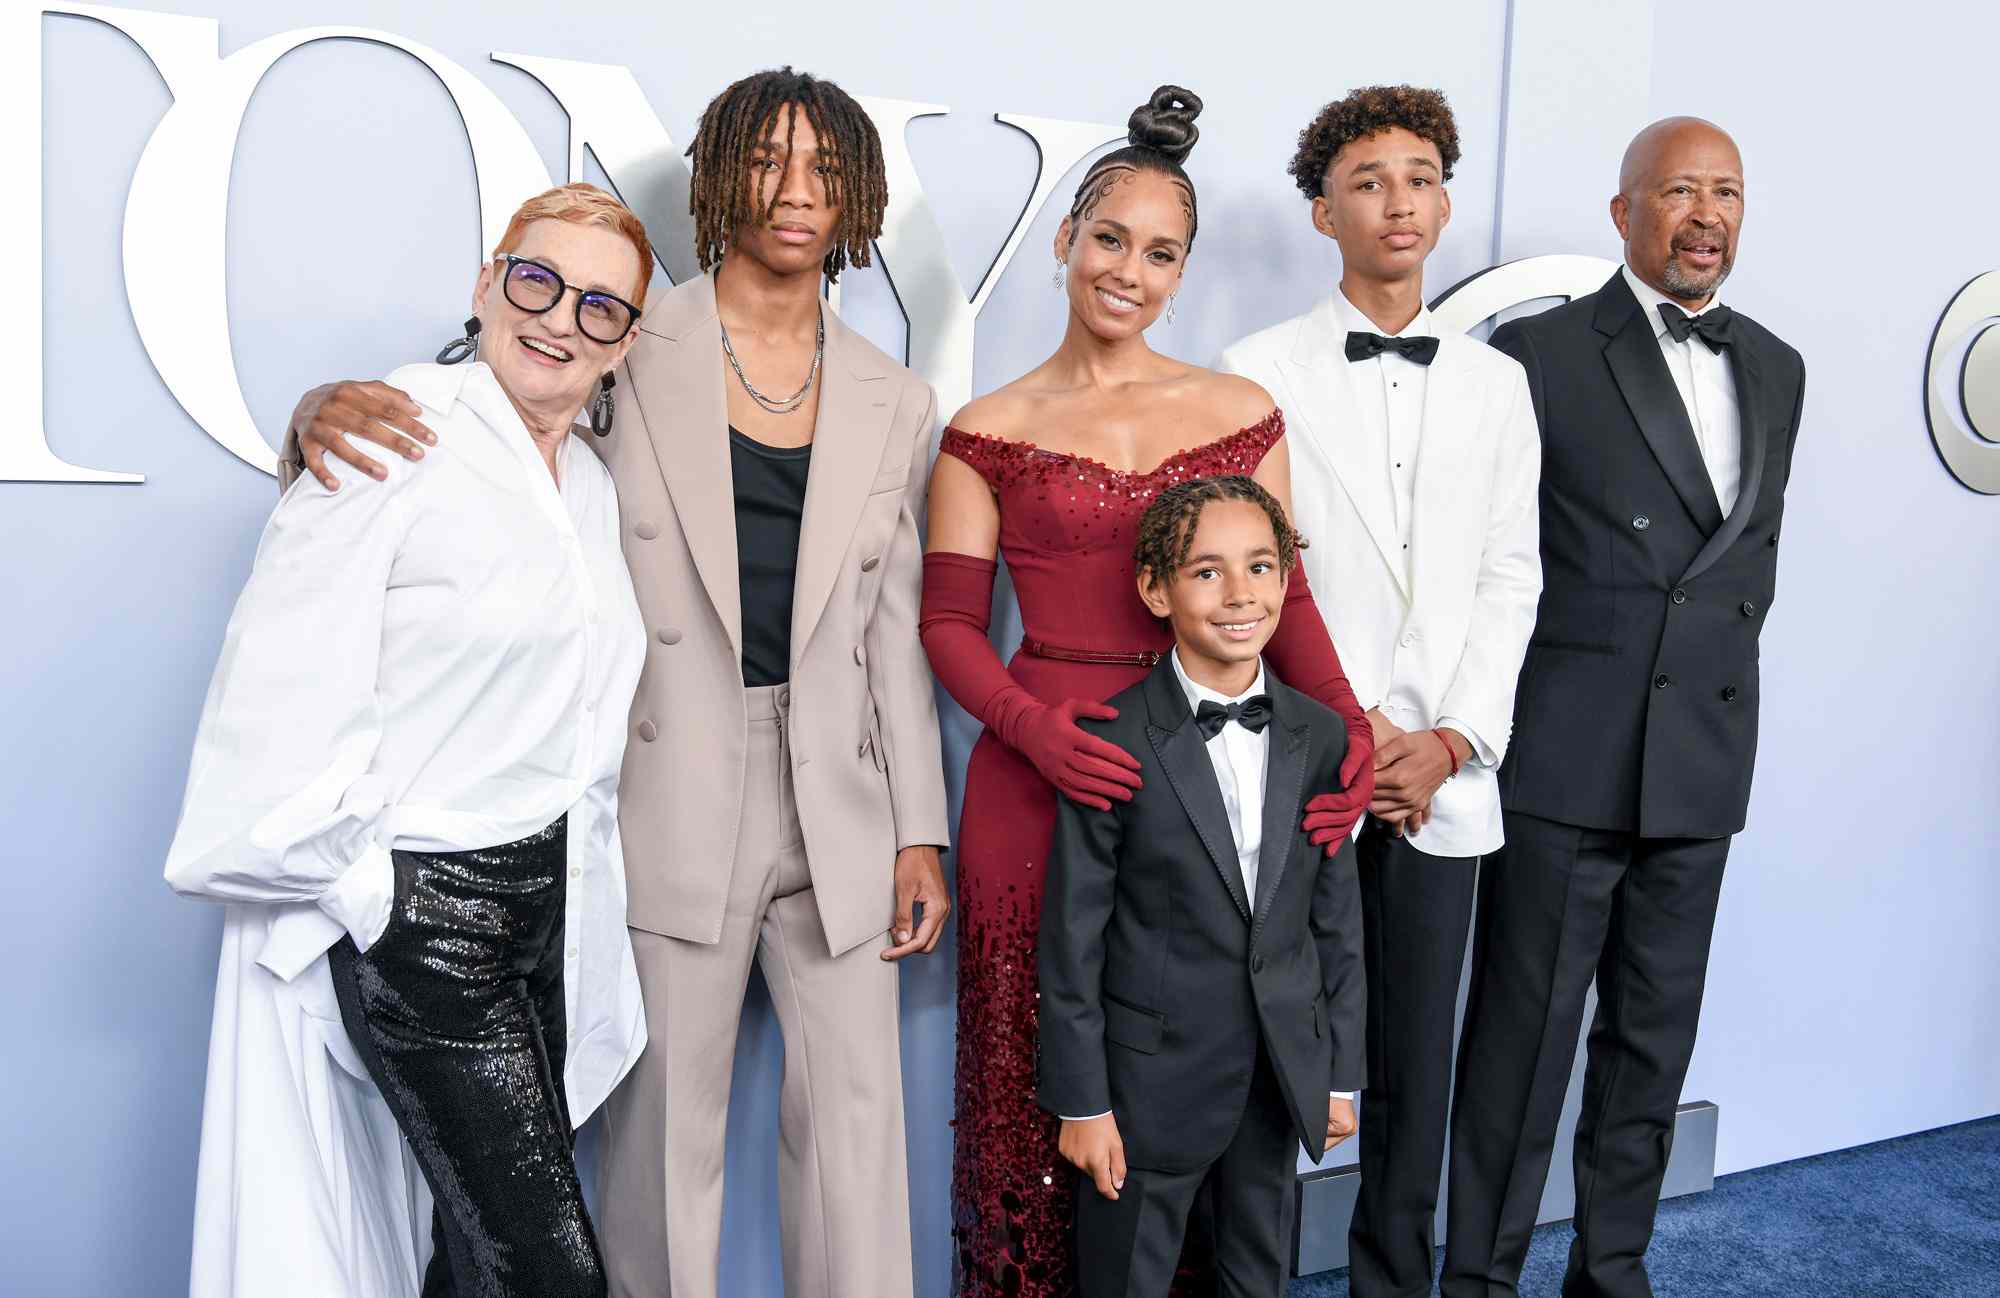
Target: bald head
[
  {"x": 1661, "y": 145},
  {"x": 1679, "y": 207}
]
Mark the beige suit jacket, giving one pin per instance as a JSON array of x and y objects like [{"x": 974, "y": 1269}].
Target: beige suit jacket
[
  {"x": 866, "y": 763},
  {"x": 863, "y": 740}
]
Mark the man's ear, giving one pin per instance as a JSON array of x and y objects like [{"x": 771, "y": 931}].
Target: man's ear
[
  {"x": 1153, "y": 594},
  {"x": 1621, "y": 214},
  {"x": 1322, "y": 214}
]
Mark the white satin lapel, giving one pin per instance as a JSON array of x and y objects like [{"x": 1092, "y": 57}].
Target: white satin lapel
[
  {"x": 1321, "y": 382},
  {"x": 1451, "y": 419}
]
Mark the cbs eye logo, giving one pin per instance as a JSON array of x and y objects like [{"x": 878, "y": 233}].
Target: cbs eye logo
[{"x": 1962, "y": 385}]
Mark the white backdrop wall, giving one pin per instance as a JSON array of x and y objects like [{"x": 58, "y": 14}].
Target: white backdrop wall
[{"x": 1855, "y": 965}]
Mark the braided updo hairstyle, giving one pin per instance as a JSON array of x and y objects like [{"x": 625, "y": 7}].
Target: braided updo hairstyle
[
  {"x": 1160, "y": 134},
  {"x": 1166, "y": 529}
]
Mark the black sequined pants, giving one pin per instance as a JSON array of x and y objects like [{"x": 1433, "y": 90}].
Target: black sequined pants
[{"x": 457, "y": 1011}]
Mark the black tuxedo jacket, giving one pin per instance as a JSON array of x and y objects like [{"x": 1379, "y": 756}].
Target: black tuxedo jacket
[
  {"x": 1159, "y": 976},
  {"x": 1637, "y": 708}
]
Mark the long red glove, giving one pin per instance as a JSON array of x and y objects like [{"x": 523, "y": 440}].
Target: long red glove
[
  {"x": 957, "y": 606},
  {"x": 1301, "y": 652}
]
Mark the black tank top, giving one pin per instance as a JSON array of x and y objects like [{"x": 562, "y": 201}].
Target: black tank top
[{"x": 770, "y": 484}]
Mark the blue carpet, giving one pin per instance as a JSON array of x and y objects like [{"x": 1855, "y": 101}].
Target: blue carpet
[{"x": 1917, "y": 1217}]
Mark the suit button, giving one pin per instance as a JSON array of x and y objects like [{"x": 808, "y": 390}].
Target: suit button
[
  {"x": 1774, "y": 539},
  {"x": 1729, "y": 694},
  {"x": 1680, "y": 596},
  {"x": 860, "y": 655},
  {"x": 1661, "y": 681},
  {"x": 648, "y": 731},
  {"x": 784, "y": 698},
  {"x": 1640, "y": 522},
  {"x": 1749, "y": 609},
  {"x": 872, "y": 562},
  {"x": 669, "y": 636},
  {"x": 645, "y": 531},
  {"x": 1257, "y": 964}
]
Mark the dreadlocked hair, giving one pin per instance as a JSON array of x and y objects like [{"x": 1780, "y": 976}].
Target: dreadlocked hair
[
  {"x": 1166, "y": 529},
  {"x": 737, "y": 121},
  {"x": 1160, "y": 134}
]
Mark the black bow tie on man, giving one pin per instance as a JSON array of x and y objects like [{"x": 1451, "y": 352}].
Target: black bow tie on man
[
  {"x": 1418, "y": 351},
  {"x": 1716, "y": 327},
  {"x": 1253, "y": 714}
]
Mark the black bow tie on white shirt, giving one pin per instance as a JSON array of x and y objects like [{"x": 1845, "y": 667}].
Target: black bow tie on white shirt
[
  {"x": 1418, "y": 351},
  {"x": 1716, "y": 327},
  {"x": 1253, "y": 714}
]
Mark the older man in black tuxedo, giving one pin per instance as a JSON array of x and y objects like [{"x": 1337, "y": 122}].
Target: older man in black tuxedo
[{"x": 1667, "y": 429}]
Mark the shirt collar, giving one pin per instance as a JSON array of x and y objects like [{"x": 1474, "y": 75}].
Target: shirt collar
[
  {"x": 1355, "y": 321},
  {"x": 1197, "y": 693},
  {"x": 1650, "y": 299}
]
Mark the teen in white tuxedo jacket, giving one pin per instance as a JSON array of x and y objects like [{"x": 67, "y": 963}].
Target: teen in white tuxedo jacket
[{"x": 1429, "y": 580}]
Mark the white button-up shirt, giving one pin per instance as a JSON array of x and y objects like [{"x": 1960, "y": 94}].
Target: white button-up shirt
[
  {"x": 1708, "y": 389},
  {"x": 440, "y": 661},
  {"x": 1390, "y": 404},
  {"x": 1240, "y": 758}
]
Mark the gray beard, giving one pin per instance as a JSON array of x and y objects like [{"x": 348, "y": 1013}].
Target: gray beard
[{"x": 1683, "y": 284}]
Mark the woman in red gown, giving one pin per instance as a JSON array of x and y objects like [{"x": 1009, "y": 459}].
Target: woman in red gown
[{"x": 1052, "y": 472}]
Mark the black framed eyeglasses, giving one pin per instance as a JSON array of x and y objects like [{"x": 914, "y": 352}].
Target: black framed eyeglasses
[{"x": 535, "y": 288}]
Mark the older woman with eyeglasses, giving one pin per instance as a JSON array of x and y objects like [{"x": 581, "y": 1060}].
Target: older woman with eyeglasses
[{"x": 405, "y": 786}]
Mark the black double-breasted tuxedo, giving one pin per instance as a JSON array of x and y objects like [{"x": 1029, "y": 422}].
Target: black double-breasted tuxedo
[
  {"x": 1637, "y": 707},
  {"x": 1635, "y": 730},
  {"x": 1208, "y": 1020}
]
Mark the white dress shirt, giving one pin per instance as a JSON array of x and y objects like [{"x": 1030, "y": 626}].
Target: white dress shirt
[
  {"x": 1240, "y": 757},
  {"x": 440, "y": 661},
  {"x": 1390, "y": 404},
  {"x": 1708, "y": 389}
]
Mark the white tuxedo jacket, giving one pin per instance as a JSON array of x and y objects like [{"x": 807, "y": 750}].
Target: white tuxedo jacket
[{"x": 1439, "y": 640}]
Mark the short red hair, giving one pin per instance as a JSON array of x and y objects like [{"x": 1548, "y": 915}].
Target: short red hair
[{"x": 582, "y": 204}]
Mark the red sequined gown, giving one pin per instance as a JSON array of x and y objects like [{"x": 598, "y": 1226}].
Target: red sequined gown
[{"x": 1066, "y": 532}]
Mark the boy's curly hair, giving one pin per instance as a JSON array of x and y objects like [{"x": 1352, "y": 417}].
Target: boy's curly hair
[
  {"x": 1370, "y": 111},
  {"x": 1166, "y": 529}
]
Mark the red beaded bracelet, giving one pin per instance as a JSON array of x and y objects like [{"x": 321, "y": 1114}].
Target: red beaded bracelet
[{"x": 1450, "y": 753}]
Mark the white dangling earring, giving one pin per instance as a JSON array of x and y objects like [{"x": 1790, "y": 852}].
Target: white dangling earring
[
  {"x": 1062, "y": 271},
  {"x": 1173, "y": 298}
]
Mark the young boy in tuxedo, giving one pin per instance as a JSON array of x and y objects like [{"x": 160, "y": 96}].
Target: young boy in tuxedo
[{"x": 1202, "y": 997}]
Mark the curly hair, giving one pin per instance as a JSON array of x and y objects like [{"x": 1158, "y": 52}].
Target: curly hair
[
  {"x": 1370, "y": 111},
  {"x": 1166, "y": 529},
  {"x": 732, "y": 127}
]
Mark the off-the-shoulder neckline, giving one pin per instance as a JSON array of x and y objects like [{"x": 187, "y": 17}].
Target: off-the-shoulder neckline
[{"x": 1026, "y": 447}]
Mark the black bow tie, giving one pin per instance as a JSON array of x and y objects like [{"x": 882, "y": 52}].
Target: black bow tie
[
  {"x": 1418, "y": 351},
  {"x": 1253, "y": 714},
  {"x": 1717, "y": 328}
]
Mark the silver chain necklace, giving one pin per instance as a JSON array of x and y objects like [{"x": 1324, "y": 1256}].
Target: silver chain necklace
[{"x": 782, "y": 405}]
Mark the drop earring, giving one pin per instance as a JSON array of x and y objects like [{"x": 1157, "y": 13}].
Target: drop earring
[
  {"x": 1062, "y": 272},
  {"x": 603, "y": 407},
  {"x": 461, "y": 349},
  {"x": 1173, "y": 298}
]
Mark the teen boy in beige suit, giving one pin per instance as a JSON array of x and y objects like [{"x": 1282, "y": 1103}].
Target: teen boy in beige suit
[{"x": 783, "y": 795}]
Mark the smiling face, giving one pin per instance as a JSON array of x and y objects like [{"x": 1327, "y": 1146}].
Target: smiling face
[
  {"x": 1680, "y": 207},
  {"x": 793, "y": 221},
  {"x": 1384, "y": 202},
  {"x": 544, "y": 363},
  {"x": 1125, "y": 252},
  {"x": 1223, "y": 600}
]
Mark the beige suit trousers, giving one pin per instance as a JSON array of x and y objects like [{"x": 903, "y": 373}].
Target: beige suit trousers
[{"x": 843, "y": 1182}]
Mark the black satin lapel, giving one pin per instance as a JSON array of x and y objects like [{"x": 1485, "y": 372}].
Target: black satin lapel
[
  {"x": 1284, "y": 797},
  {"x": 1750, "y": 415},
  {"x": 1185, "y": 759},
  {"x": 1635, "y": 360}
]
